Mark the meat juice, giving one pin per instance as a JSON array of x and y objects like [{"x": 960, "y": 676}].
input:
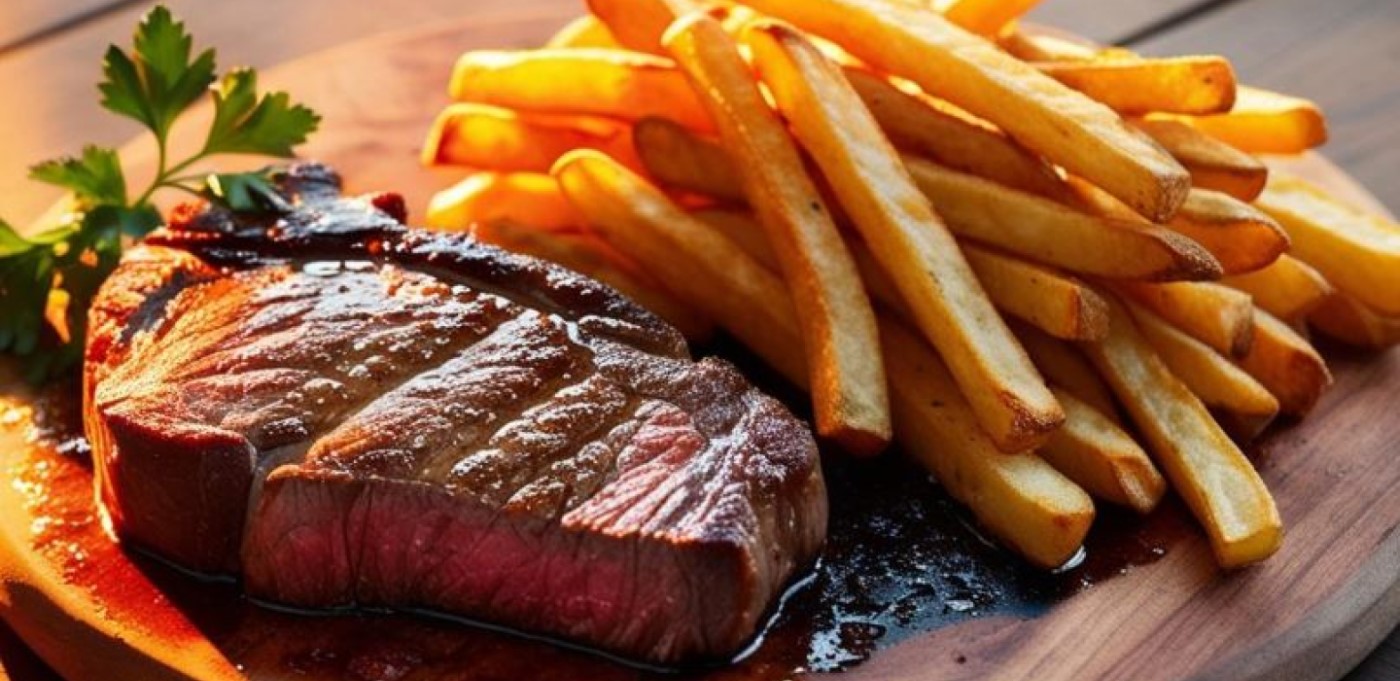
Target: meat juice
[{"x": 901, "y": 559}]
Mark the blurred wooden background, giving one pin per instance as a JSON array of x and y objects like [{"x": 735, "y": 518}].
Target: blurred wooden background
[{"x": 1345, "y": 54}]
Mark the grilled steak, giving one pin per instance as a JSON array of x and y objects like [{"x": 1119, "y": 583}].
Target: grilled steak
[{"x": 349, "y": 412}]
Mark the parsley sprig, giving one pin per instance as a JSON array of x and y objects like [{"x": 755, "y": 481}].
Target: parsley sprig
[{"x": 48, "y": 279}]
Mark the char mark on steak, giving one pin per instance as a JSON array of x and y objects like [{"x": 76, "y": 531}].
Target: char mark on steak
[{"x": 351, "y": 412}]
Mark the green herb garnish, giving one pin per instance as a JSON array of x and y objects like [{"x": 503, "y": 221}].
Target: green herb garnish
[{"x": 48, "y": 279}]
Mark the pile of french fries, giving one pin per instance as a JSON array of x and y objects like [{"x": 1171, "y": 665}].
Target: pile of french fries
[{"x": 1053, "y": 272}]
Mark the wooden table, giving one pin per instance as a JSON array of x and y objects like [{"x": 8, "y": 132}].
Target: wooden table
[{"x": 1342, "y": 53}]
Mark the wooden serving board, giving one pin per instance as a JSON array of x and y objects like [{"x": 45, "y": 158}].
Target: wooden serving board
[{"x": 1310, "y": 613}]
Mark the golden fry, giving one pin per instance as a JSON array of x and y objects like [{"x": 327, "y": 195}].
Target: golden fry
[
  {"x": 741, "y": 227},
  {"x": 1241, "y": 237},
  {"x": 1219, "y": 383},
  {"x": 926, "y": 127},
  {"x": 986, "y": 17},
  {"x": 1044, "y": 231},
  {"x": 639, "y": 24},
  {"x": 583, "y": 32},
  {"x": 907, "y": 238},
  {"x": 587, "y": 254},
  {"x": 492, "y": 138},
  {"x": 1187, "y": 85},
  {"x": 1021, "y": 500},
  {"x": 1213, "y": 164},
  {"x": 1220, "y": 317},
  {"x": 1350, "y": 321},
  {"x": 1287, "y": 364},
  {"x": 1031, "y": 46},
  {"x": 1071, "y": 130},
  {"x": 617, "y": 84},
  {"x": 679, "y": 158},
  {"x": 1055, "y": 303},
  {"x": 1066, "y": 368},
  {"x": 486, "y": 197},
  {"x": 1288, "y": 289},
  {"x": 1094, "y": 451},
  {"x": 1206, "y": 468},
  {"x": 1264, "y": 122},
  {"x": 1358, "y": 252},
  {"x": 849, "y": 392}
]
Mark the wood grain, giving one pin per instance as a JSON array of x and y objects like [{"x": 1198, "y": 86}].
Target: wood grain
[
  {"x": 1345, "y": 54},
  {"x": 1309, "y": 613},
  {"x": 22, "y": 20}
]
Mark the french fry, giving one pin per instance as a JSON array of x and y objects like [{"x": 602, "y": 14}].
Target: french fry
[
  {"x": 1286, "y": 364},
  {"x": 486, "y": 197},
  {"x": 1188, "y": 85},
  {"x": 879, "y": 285},
  {"x": 1055, "y": 303},
  {"x": 1205, "y": 467},
  {"x": 639, "y": 24},
  {"x": 583, "y": 32},
  {"x": 1350, "y": 321},
  {"x": 1241, "y": 237},
  {"x": 926, "y": 127},
  {"x": 1358, "y": 252},
  {"x": 907, "y": 238},
  {"x": 492, "y": 138},
  {"x": 1069, "y": 129},
  {"x": 741, "y": 227},
  {"x": 617, "y": 84},
  {"x": 986, "y": 17},
  {"x": 1218, "y": 382},
  {"x": 1021, "y": 500},
  {"x": 1044, "y": 231},
  {"x": 1220, "y": 317},
  {"x": 587, "y": 254},
  {"x": 1094, "y": 451},
  {"x": 1265, "y": 122},
  {"x": 1288, "y": 289},
  {"x": 1066, "y": 368},
  {"x": 1213, "y": 164},
  {"x": 697, "y": 264},
  {"x": 1032, "y": 46},
  {"x": 849, "y": 393},
  {"x": 679, "y": 158}
]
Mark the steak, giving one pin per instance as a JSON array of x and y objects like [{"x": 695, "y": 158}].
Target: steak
[{"x": 349, "y": 412}]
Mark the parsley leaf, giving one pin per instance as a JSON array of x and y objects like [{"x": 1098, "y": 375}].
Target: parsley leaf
[
  {"x": 26, "y": 276},
  {"x": 48, "y": 280},
  {"x": 245, "y": 124},
  {"x": 159, "y": 82},
  {"x": 95, "y": 177}
]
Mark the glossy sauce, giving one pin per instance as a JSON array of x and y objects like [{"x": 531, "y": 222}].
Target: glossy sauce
[{"x": 901, "y": 559}]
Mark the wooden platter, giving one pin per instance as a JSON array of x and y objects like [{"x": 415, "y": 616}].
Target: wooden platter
[{"x": 95, "y": 612}]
